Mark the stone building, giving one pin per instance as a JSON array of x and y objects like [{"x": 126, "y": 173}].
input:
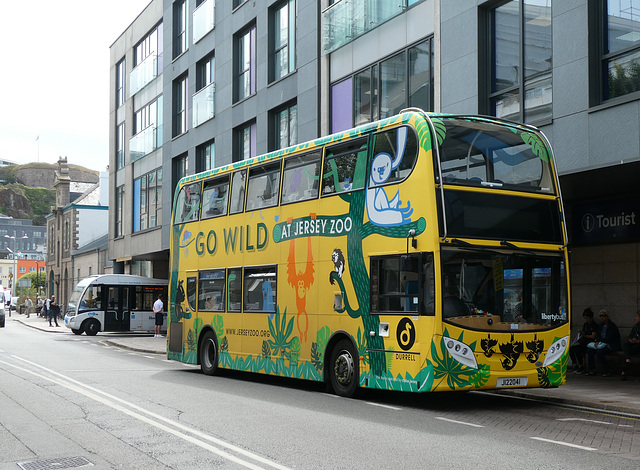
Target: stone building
[{"x": 79, "y": 218}]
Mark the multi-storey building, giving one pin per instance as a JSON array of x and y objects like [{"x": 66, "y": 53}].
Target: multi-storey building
[
  {"x": 78, "y": 219},
  {"x": 198, "y": 84}
]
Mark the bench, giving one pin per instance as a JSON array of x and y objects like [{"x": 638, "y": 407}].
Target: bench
[{"x": 614, "y": 359}]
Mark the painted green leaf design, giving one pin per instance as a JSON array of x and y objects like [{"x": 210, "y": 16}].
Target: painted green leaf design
[
  {"x": 280, "y": 331},
  {"x": 323, "y": 338},
  {"x": 294, "y": 351},
  {"x": 481, "y": 377},
  {"x": 447, "y": 368},
  {"x": 362, "y": 347},
  {"x": 316, "y": 356},
  {"x": 218, "y": 325},
  {"x": 536, "y": 144},
  {"x": 441, "y": 130},
  {"x": 266, "y": 349},
  {"x": 192, "y": 342}
]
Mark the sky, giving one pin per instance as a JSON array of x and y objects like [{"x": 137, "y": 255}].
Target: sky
[{"x": 54, "y": 78}]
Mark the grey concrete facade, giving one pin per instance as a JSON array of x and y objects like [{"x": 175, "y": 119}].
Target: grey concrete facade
[
  {"x": 589, "y": 139},
  {"x": 596, "y": 143},
  {"x": 299, "y": 86}
]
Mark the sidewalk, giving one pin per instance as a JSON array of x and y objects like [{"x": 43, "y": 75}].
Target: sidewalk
[
  {"x": 134, "y": 341},
  {"x": 603, "y": 393}
]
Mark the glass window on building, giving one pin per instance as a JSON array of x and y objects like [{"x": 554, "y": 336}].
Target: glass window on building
[
  {"x": 147, "y": 130},
  {"x": 245, "y": 142},
  {"x": 620, "y": 47},
  {"x": 147, "y": 60},
  {"x": 147, "y": 201},
  {"x": 245, "y": 64},
  {"x": 206, "y": 156},
  {"x": 120, "y": 82},
  {"x": 120, "y": 146},
  {"x": 204, "y": 97},
  {"x": 282, "y": 38},
  {"x": 118, "y": 211},
  {"x": 284, "y": 127},
  {"x": 180, "y": 170},
  {"x": 180, "y": 87},
  {"x": 180, "y": 39},
  {"x": 385, "y": 88},
  {"x": 520, "y": 51}
]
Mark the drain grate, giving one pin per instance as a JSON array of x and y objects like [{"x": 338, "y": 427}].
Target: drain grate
[{"x": 55, "y": 464}]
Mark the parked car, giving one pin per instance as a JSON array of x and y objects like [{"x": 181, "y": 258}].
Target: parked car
[{"x": 1, "y": 309}]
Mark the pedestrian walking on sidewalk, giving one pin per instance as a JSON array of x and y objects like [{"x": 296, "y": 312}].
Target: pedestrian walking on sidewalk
[
  {"x": 631, "y": 346},
  {"x": 608, "y": 340},
  {"x": 53, "y": 309},
  {"x": 158, "y": 309},
  {"x": 28, "y": 305}
]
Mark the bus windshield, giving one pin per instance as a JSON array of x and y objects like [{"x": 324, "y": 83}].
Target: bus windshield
[
  {"x": 72, "y": 305},
  {"x": 514, "y": 291},
  {"x": 479, "y": 153}
]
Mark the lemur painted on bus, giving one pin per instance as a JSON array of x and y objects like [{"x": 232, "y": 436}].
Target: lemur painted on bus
[{"x": 380, "y": 209}]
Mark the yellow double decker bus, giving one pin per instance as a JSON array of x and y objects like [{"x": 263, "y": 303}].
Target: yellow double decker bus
[{"x": 423, "y": 252}]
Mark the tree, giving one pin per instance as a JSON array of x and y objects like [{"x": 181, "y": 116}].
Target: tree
[{"x": 38, "y": 280}]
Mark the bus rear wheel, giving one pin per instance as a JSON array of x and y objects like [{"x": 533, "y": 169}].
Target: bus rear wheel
[
  {"x": 92, "y": 327},
  {"x": 344, "y": 369},
  {"x": 209, "y": 353}
]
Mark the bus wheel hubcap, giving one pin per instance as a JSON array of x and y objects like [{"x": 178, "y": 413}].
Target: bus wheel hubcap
[{"x": 343, "y": 368}]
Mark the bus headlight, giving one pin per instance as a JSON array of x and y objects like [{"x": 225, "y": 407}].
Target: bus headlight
[
  {"x": 460, "y": 352},
  {"x": 556, "y": 351}
]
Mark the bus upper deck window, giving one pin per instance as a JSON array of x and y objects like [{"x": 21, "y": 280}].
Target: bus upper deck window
[
  {"x": 215, "y": 197},
  {"x": 395, "y": 152},
  {"x": 188, "y": 205},
  {"x": 237, "y": 191},
  {"x": 301, "y": 176},
  {"x": 345, "y": 167},
  {"x": 264, "y": 186}
]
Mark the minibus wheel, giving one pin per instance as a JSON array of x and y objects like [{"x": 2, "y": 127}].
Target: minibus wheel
[
  {"x": 76, "y": 332},
  {"x": 92, "y": 327},
  {"x": 344, "y": 369},
  {"x": 208, "y": 353}
]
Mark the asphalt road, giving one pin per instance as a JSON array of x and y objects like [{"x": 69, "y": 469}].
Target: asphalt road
[{"x": 68, "y": 400}]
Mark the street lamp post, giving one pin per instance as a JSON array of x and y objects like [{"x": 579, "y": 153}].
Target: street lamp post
[{"x": 15, "y": 274}]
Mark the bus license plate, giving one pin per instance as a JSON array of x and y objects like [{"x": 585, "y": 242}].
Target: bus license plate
[{"x": 512, "y": 382}]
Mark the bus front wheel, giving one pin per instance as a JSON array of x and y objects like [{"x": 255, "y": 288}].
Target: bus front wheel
[
  {"x": 209, "y": 353},
  {"x": 344, "y": 369},
  {"x": 92, "y": 327}
]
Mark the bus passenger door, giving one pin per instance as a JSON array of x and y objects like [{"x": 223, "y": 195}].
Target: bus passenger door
[{"x": 117, "y": 314}]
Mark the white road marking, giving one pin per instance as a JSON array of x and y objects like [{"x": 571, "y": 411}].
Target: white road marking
[
  {"x": 582, "y": 419},
  {"x": 460, "y": 422},
  {"x": 395, "y": 408},
  {"x": 563, "y": 443},
  {"x": 152, "y": 419}
]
